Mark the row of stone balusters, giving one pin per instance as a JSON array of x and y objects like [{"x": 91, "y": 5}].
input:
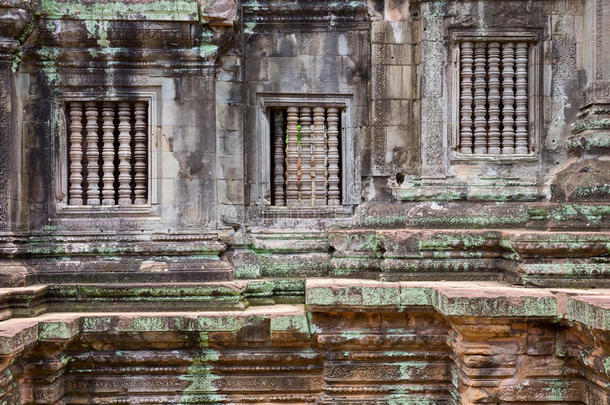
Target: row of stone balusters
[
  {"x": 311, "y": 167},
  {"x": 493, "y": 97},
  {"x": 124, "y": 123}
]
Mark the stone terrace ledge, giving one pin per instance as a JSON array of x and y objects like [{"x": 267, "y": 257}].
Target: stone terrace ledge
[
  {"x": 590, "y": 308},
  {"x": 468, "y": 299},
  {"x": 468, "y": 339}
]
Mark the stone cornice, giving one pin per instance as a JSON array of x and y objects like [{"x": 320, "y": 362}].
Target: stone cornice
[
  {"x": 222, "y": 12},
  {"x": 318, "y": 15},
  {"x": 132, "y": 34}
]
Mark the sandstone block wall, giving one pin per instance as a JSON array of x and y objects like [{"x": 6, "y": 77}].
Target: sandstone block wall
[{"x": 440, "y": 278}]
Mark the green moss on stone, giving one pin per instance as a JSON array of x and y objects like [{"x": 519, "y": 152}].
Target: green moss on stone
[
  {"x": 57, "y": 330},
  {"x": 247, "y": 271},
  {"x": 410, "y": 296},
  {"x": 172, "y": 10},
  {"x": 202, "y": 388},
  {"x": 220, "y": 323},
  {"x": 384, "y": 296},
  {"x": 298, "y": 323},
  {"x": 334, "y": 296},
  {"x": 556, "y": 390}
]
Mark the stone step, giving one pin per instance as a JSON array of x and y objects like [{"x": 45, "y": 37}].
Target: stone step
[
  {"x": 449, "y": 298},
  {"x": 528, "y": 257},
  {"x": 488, "y": 300},
  {"x": 354, "y": 341},
  {"x": 158, "y": 297},
  {"x": 447, "y": 214}
]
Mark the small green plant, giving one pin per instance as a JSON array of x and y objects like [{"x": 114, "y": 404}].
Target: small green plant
[{"x": 298, "y": 136}]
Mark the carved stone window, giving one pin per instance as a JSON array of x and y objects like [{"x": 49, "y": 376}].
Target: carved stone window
[
  {"x": 496, "y": 80},
  {"x": 108, "y": 153},
  {"x": 306, "y": 156},
  {"x": 307, "y": 146}
]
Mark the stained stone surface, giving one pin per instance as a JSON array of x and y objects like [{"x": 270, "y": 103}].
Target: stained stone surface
[{"x": 441, "y": 278}]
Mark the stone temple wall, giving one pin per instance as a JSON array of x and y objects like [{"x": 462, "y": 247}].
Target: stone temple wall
[{"x": 304, "y": 201}]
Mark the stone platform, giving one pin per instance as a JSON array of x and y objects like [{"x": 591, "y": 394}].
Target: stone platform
[{"x": 338, "y": 341}]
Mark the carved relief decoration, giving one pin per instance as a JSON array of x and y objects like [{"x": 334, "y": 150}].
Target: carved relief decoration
[
  {"x": 379, "y": 139},
  {"x": 4, "y": 141}
]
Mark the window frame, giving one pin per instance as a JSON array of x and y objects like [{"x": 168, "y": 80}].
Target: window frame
[
  {"x": 350, "y": 190},
  {"x": 151, "y": 96},
  {"x": 534, "y": 83}
]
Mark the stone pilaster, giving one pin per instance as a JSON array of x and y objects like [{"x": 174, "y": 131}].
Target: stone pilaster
[
  {"x": 5, "y": 111},
  {"x": 586, "y": 178},
  {"x": 15, "y": 27},
  {"x": 433, "y": 100}
]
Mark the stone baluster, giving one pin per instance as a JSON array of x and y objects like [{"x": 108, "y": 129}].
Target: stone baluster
[
  {"x": 278, "y": 158},
  {"x": 76, "y": 154},
  {"x": 124, "y": 154},
  {"x": 93, "y": 155},
  {"x": 305, "y": 184},
  {"x": 319, "y": 156},
  {"x": 493, "y": 97},
  {"x": 480, "y": 98},
  {"x": 334, "y": 193},
  {"x": 108, "y": 153},
  {"x": 292, "y": 156},
  {"x": 508, "y": 98},
  {"x": 466, "y": 61},
  {"x": 521, "y": 133},
  {"x": 140, "y": 152}
]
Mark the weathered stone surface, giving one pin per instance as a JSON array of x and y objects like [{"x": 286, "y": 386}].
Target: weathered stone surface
[
  {"x": 313, "y": 352},
  {"x": 442, "y": 277}
]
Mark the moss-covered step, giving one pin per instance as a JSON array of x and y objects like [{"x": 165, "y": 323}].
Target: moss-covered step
[
  {"x": 583, "y": 215},
  {"x": 91, "y": 297},
  {"x": 589, "y": 307},
  {"x": 543, "y": 258}
]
